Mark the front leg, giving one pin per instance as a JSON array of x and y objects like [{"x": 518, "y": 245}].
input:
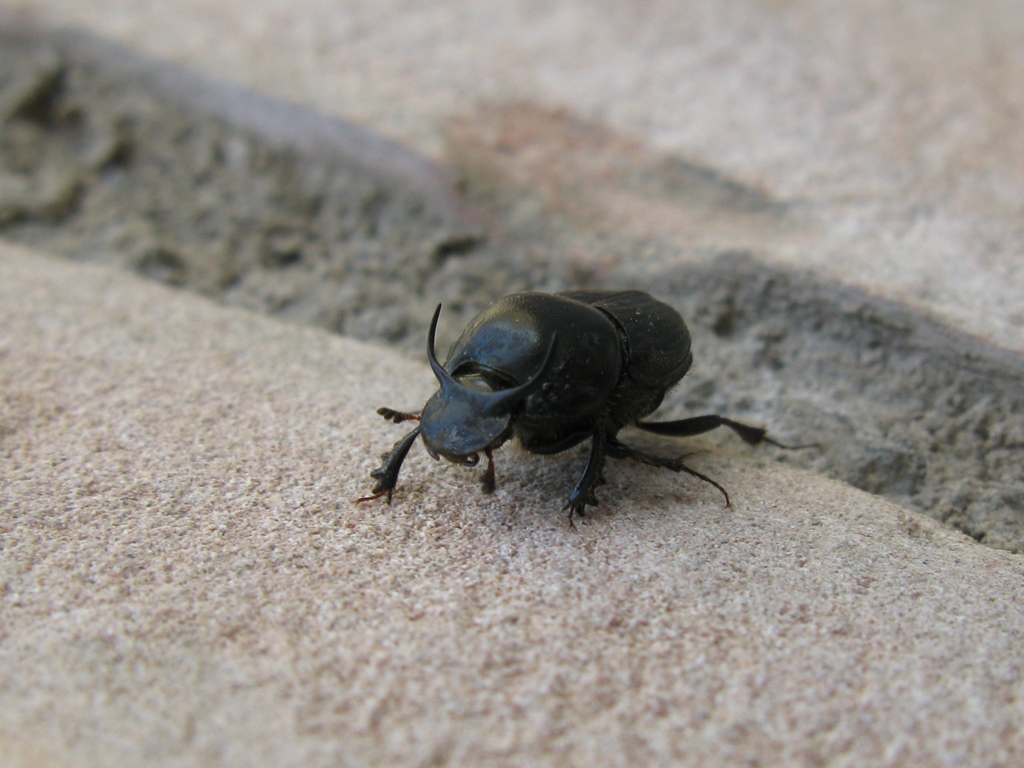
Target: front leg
[
  {"x": 592, "y": 476},
  {"x": 387, "y": 474},
  {"x": 397, "y": 416}
]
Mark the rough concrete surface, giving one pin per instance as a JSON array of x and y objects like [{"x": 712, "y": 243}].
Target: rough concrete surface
[
  {"x": 187, "y": 583},
  {"x": 895, "y": 126}
]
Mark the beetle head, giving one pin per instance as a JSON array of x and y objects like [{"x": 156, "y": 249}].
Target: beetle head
[{"x": 460, "y": 420}]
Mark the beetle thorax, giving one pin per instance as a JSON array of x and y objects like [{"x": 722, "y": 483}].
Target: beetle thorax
[{"x": 467, "y": 416}]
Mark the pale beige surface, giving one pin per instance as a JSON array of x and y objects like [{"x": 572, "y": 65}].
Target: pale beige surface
[
  {"x": 185, "y": 581},
  {"x": 892, "y": 129}
]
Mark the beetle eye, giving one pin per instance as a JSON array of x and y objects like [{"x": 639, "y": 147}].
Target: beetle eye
[{"x": 472, "y": 460}]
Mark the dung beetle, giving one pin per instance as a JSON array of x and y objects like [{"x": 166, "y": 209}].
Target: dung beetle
[{"x": 550, "y": 371}]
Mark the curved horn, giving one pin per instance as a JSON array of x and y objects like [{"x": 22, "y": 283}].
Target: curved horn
[
  {"x": 442, "y": 375},
  {"x": 508, "y": 397},
  {"x": 492, "y": 401}
]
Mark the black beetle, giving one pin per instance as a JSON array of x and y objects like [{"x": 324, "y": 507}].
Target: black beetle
[{"x": 552, "y": 370}]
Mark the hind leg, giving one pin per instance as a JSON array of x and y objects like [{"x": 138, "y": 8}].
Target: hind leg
[{"x": 698, "y": 425}]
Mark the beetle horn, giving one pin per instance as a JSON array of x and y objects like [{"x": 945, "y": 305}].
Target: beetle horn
[
  {"x": 494, "y": 400},
  {"x": 442, "y": 375},
  {"x": 508, "y": 397}
]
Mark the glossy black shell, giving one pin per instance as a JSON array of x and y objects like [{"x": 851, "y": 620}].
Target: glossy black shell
[
  {"x": 507, "y": 342},
  {"x": 617, "y": 354},
  {"x": 657, "y": 340}
]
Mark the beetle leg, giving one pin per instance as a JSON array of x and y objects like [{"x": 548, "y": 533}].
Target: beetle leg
[
  {"x": 592, "y": 476},
  {"x": 698, "y": 425},
  {"x": 488, "y": 478},
  {"x": 387, "y": 474},
  {"x": 397, "y": 416},
  {"x": 622, "y": 451}
]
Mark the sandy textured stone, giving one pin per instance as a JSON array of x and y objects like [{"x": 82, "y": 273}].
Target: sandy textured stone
[
  {"x": 891, "y": 129},
  {"x": 186, "y": 582}
]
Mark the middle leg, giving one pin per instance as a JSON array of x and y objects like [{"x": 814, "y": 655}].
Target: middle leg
[
  {"x": 592, "y": 476},
  {"x": 619, "y": 450}
]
